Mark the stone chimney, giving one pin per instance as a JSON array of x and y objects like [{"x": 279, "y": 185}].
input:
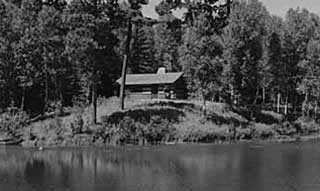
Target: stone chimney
[{"x": 161, "y": 70}]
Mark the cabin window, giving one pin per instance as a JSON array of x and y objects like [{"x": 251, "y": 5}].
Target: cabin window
[
  {"x": 154, "y": 89},
  {"x": 136, "y": 89},
  {"x": 146, "y": 90}
]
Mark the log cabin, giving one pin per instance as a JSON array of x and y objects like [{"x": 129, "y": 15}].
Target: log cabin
[{"x": 160, "y": 85}]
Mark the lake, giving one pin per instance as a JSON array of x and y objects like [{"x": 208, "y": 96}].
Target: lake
[{"x": 238, "y": 167}]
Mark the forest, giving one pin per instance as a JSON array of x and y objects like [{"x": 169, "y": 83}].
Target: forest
[{"x": 59, "y": 53}]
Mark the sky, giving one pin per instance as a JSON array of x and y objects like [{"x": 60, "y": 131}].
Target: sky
[{"x": 276, "y": 7}]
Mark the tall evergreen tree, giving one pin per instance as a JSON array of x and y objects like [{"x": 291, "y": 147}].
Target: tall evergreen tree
[
  {"x": 132, "y": 14},
  {"x": 90, "y": 43},
  {"x": 142, "y": 53},
  {"x": 168, "y": 36},
  {"x": 277, "y": 68}
]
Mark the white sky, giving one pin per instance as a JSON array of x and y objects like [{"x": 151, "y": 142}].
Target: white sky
[{"x": 277, "y": 7}]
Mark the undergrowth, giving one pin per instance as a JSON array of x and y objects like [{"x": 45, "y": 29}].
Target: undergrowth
[{"x": 154, "y": 122}]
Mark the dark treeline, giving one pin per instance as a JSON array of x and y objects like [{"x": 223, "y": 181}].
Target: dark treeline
[{"x": 56, "y": 53}]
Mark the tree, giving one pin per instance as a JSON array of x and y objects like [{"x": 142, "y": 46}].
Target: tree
[
  {"x": 298, "y": 33},
  {"x": 90, "y": 43},
  {"x": 277, "y": 67},
  {"x": 199, "y": 58},
  {"x": 201, "y": 50},
  {"x": 142, "y": 50},
  {"x": 310, "y": 84},
  {"x": 245, "y": 41},
  {"x": 133, "y": 14},
  {"x": 22, "y": 25},
  {"x": 37, "y": 50},
  {"x": 3, "y": 50},
  {"x": 168, "y": 38},
  {"x": 52, "y": 31}
]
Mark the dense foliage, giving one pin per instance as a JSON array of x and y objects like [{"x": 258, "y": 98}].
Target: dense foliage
[{"x": 56, "y": 53}]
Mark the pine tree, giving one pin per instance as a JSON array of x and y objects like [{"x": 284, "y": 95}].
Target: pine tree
[
  {"x": 90, "y": 44},
  {"x": 132, "y": 14},
  {"x": 9, "y": 36},
  {"x": 142, "y": 51},
  {"x": 168, "y": 34}
]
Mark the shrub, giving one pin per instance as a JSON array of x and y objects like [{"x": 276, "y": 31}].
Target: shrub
[
  {"x": 212, "y": 133},
  {"x": 263, "y": 131},
  {"x": 159, "y": 129},
  {"x": 244, "y": 133},
  {"x": 273, "y": 116},
  {"x": 224, "y": 119},
  {"x": 77, "y": 126},
  {"x": 306, "y": 125},
  {"x": 260, "y": 116},
  {"x": 13, "y": 121},
  {"x": 144, "y": 115},
  {"x": 286, "y": 128}
]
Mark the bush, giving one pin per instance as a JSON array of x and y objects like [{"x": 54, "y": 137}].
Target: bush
[
  {"x": 260, "y": 116},
  {"x": 13, "y": 121},
  {"x": 222, "y": 119},
  {"x": 135, "y": 127},
  {"x": 263, "y": 131},
  {"x": 244, "y": 133},
  {"x": 144, "y": 115},
  {"x": 195, "y": 130},
  {"x": 77, "y": 126},
  {"x": 286, "y": 128},
  {"x": 306, "y": 125},
  {"x": 159, "y": 129}
]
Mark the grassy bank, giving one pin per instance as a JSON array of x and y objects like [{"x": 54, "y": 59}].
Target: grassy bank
[{"x": 154, "y": 122}]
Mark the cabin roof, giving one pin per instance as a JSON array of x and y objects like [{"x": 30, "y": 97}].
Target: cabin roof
[{"x": 148, "y": 79}]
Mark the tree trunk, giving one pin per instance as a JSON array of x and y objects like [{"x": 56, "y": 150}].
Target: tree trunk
[
  {"x": 125, "y": 65},
  {"x": 46, "y": 91},
  {"x": 204, "y": 106},
  {"x": 263, "y": 95},
  {"x": 60, "y": 97},
  {"x": 11, "y": 98},
  {"x": 57, "y": 87},
  {"x": 256, "y": 96},
  {"x": 278, "y": 102},
  {"x": 295, "y": 105},
  {"x": 23, "y": 98},
  {"x": 232, "y": 99},
  {"x": 286, "y": 104},
  {"x": 94, "y": 103},
  {"x": 304, "y": 105},
  {"x": 94, "y": 95}
]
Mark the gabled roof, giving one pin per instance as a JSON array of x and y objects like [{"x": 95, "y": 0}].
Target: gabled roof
[{"x": 148, "y": 79}]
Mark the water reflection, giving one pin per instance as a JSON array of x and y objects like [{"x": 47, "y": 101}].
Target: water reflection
[
  {"x": 176, "y": 168},
  {"x": 34, "y": 172}
]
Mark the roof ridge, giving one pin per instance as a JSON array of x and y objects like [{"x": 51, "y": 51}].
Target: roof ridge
[{"x": 157, "y": 73}]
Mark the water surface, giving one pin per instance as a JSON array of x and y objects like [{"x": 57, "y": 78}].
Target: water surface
[{"x": 244, "y": 167}]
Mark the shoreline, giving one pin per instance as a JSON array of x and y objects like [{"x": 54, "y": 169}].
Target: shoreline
[
  {"x": 298, "y": 139},
  {"x": 162, "y": 123}
]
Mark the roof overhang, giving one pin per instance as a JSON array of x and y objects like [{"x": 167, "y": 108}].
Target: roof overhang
[{"x": 150, "y": 79}]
